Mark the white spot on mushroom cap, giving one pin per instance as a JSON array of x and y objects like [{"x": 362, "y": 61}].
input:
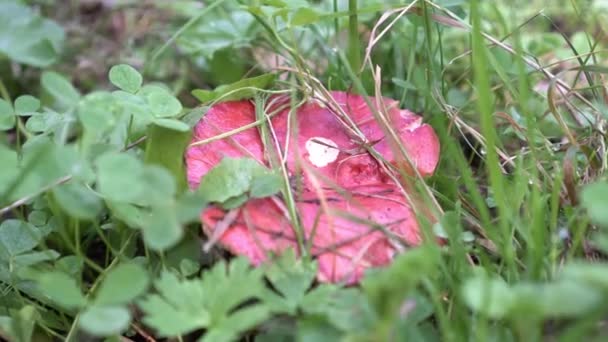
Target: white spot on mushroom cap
[{"x": 321, "y": 151}]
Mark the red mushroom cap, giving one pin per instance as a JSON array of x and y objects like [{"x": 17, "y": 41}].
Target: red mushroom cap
[{"x": 352, "y": 213}]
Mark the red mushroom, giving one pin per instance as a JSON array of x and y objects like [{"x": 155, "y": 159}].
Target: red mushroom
[{"x": 353, "y": 214}]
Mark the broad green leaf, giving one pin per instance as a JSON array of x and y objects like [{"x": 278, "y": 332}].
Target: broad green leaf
[
  {"x": 189, "y": 206},
  {"x": 594, "y": 198},
  {"x": 489, "y": 296},
  {"x": 174, "y": 125},
  {"x": 7, "y": 116},
  {"x": 61, "y": 289},
  {"x": 594, "y": 274},
  {"x": 78, "y": 200},
  {"x": 242, "y": 89},
  {"x": 161, "y": 103},
  {"x": 20, "y": 326},
  {"x": 33, "y": 258},
  {"x": 119, "y": 177},
  {"x": 216, "y": 32},
  {"x": 27, "y": 38},
  {"x": 234, "y": 177},
  {"x": 105, "y": 320},
  {"x": 558, "y": 299},
  {"x": 62, "y": 92},
  {"x": 387, "y": 288},
  {"x": 18, "y": 237},
  {"x": 304, "y": 16},
  {"x": 130, "y": 214},
  {"x": 9, "y": 170},
  {"x": 122, "y": 284},
  {"x": 161, "y": 228},
  {"x": 126, "y": 78},
  {"x": 161, "y": 186},
  {"x": 26, "y": 105},
  {"x": 165, "y": 147}
]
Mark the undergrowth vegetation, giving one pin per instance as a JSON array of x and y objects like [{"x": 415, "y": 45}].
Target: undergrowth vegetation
[{"x": 100, "y": 235}]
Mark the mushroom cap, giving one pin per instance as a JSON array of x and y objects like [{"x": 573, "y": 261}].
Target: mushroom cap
[{"x": 353, "y": 215}]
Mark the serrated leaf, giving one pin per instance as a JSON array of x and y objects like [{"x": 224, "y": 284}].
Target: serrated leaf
[
  {"x": 182, "y": 306},
  {"x": 242, "y": 89},
  {"x": 177, "y": 308},
  {"x": 122, "y": 284},
  {"x": 292, "y": 278},
  {"x": 105, "y": 320},
  {"x": 125, "y": 77},
  {"x": 61, "y": 289},
  {"x": 237, "y": 323},
  {"x": 7, "y": 116}
]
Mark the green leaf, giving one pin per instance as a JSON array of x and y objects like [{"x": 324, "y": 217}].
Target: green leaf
[
  {"x": 105, "y": 320},
  {"x": 346, "y": 309},
  {"x": 20, "y": 326},
  {"x": 161, "y": 103},
  {"x": 387, "y": 288},
  {"x": 61, "y": 289},
  {"x": 26, "y": 105},
  {"x": 234, "y": 177},
  {"x": 242, "y": 89},
  {"x": 161, "y": 186},
  {"x": 594, "y": 274},
  {"x": 27, "y": 38},
  {"x": 165, "y": 147},
  {"x": 237, "y": 323},
  {"x": 292, "y": 278},
  {"x": 18, "y": 237},
  {"x": 61, "y": 91},
  {"x": 174, "y": 125},
  {"x": 126, "y": 78},
  {"x": 7, "y": 116},
  {"x": 189, "y": 206},
  {"x": 304, "y": 16},
  {"x": 119, "y": 177},
  {"x": 490, "y": 296},
  {"x": 216, "y": 32},
  {"x": 594, "y": 198},
  {"x": 161, "y": 228},
  {"x": 182, "y": 306},
  {"x": 33, "y": 258},
  {"x": 78, "y": 200},
  {"x": 122, "y": 284},
  {"x": 177, "y": 308}
]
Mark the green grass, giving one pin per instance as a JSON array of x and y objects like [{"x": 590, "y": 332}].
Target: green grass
[{"x": 99, "y": 237}]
